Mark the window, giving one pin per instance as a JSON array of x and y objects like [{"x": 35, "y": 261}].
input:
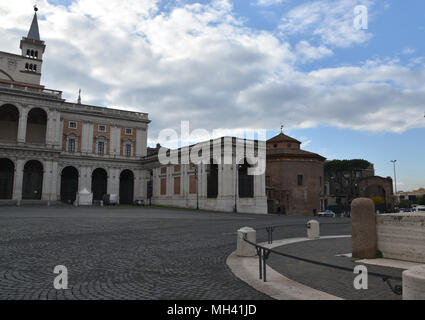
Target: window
[
  {"x": 128, "y": 131},
  {"x": 300, "y": 179},
  {"x": 72, "y": 125},
  {"x": 71, "y": 145},
  {"x": 102, "y": 128},
  {"x": 163, "y": 186},
  {"x": 127, "y": 150},
  {"x": 246, "y": 181},
  {"x": 289, "y": 145},
  {"x": 35, "y": 68},
  {"x": 101, "y": 147},
  {"x": 26, "y": 66},
  {"x": 275, "y": 145}
]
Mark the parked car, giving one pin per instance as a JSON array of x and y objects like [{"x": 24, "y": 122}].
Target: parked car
[
  {"x": 110, "y": 199},
  {"x": 326, "y": 213},
  {"x": 420, "y": 208}
]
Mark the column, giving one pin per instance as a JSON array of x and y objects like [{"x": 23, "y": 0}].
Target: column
[
  {"x": 22, "y": 127},
  {"x": 18, "y": 179}
]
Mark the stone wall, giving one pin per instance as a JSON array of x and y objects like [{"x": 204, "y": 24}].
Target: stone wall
[{"x": 401, "y": 236}]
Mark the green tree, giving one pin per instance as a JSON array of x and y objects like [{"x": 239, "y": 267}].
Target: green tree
[
  {"x": 421, "y": 200},
  {"x": 404, "y": 204}
]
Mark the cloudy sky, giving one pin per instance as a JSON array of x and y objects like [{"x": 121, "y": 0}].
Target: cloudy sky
[{"x": 228, "y": 65}]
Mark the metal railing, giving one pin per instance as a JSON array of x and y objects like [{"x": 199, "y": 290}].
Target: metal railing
[
  {"x": 263, "y": 254},
  {"x": 271, "y": 229}
]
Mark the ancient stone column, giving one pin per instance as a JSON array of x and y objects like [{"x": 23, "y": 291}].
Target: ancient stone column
[{"x": 363, "y": 228}]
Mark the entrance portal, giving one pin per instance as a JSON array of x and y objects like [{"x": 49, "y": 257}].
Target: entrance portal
[
  {"x": 7, "y": 171},
  {"x": 126, "y": 187},
  {"x": 33, "y": 180},
  {"x": 69, "y": 184}
]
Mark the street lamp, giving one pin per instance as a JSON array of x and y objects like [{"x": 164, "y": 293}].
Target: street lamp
[
  {"x": 197, "y": 188},
  {"x": 395, "y": 177}
]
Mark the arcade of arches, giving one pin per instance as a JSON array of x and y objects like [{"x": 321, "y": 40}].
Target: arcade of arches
[{"x": 19, "y": 126}]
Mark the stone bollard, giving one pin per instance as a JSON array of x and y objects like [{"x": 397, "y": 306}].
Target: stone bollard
[
  {"x": 244, "y": 249},
  {"x": 414, "y": 283},
  {"x": 313, "y": 229},
  {"x": 363, "y": 228}
]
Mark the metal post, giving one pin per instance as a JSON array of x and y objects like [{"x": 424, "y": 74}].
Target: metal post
[
  {"x": 197, "y": 188},
  {"x": 259, "y": 262}
]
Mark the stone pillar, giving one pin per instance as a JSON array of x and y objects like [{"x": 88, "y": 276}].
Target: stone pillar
[
  {"x": 363, "y": 228},
  {"x": 244, "y": 249},
  {"x": 313, "y": 230},
  {"x": 414, "y": 283},
  {"x": 22, "y": 127},
  {"x": 18, "y": 179}
]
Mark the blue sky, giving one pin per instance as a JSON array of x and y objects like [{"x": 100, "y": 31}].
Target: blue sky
[{"x": 230, "y": 65}]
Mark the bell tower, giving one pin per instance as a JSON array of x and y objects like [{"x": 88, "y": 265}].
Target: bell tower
[{"x": 32, "y": 51}]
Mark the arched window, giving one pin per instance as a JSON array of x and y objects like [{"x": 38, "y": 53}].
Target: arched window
[
  {"x": 35, "y": 68},
  {"x": 36, "y": 54},
  {"x": 30, "y": 67},
  {"x": 32, "y": 53},
  {"x": 26, "y": 66},
  {"x": 28, "y": 52}
]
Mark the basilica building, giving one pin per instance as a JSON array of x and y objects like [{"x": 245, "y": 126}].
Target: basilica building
[{"x": 52, "y": 150}]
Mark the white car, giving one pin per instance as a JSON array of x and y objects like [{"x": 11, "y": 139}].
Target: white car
[{"x": 326, "y": 213}]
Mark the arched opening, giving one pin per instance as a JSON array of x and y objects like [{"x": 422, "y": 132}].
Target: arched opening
[
  {"x": 33, "y": 180},
  {"x": 212, "y": 180},
  {"x": 9, "y": 123},
  {"x": 69, "y": 185},
  {"x": 126, "y": 187},
  {"x": 7, "y": 171},
  {"x": 36, "y": 126},
  {"x": 99, "y": 184},
  {"x": 246, "y": 181}
]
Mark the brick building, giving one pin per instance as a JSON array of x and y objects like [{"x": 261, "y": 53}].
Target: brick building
[{"x": 294, "y": 177}]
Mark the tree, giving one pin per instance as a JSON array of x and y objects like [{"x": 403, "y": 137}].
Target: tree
[
  {"x": 404, "y": 204},
  {"x": 421, "y": 200}
]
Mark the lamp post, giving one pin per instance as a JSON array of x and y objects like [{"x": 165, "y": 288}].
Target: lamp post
[
  {"x": 235, "y": 209},
  {"x": 395, "y": 177},
  {"x": 395, "y": 180},
  {"x": 197, "y": 188}
]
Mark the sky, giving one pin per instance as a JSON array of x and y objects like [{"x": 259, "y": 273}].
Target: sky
[{"x": 344, "y": 87}]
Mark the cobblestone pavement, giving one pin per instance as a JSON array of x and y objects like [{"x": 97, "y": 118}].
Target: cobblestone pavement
[
  {"x": 332, "y": 281},
  {"x": 129, "y": 253}
]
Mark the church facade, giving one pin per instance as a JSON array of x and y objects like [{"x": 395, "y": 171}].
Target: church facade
[{"x": 51, "y": 150}]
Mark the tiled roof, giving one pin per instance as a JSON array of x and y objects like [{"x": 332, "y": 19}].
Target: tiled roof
[{"x": 283, "y": 138}]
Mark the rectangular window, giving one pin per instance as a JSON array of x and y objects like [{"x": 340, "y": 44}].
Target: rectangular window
[
  {"x": 300, "y": 179},
  {"x": 101, "y": 147},
  {"x": 102, "y": 128},
  {"x": 163, "y": 170},
  {"x": 128, "y": 131},
  {"x": 128, "y": 150},
  {"x": 192, "y": 184},
  {"x": 163, "y": 187},
  {"x": 177, "y": 185},
  {"x": 72, "y": 125},
  {"x": 71, "y": 145}
]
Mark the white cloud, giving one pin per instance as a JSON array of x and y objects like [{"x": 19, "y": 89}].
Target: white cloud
[
  {"x": 269, "y": 2},
  {"x": 330, "y": 21},
  {"x": 200, "y": 63}
]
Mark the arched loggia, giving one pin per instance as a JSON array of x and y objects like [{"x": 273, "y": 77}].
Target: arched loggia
[
  {"x": 32, "y": 187},
  {"x": 7, "y": 171},
  {"x": 99, "y": 183},
  {"x": 126, "y": 187},
  {"x": 69, "y": 184}
]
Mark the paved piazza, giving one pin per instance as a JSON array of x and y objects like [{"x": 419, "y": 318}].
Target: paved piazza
[{"x": 130, "y": 253}]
